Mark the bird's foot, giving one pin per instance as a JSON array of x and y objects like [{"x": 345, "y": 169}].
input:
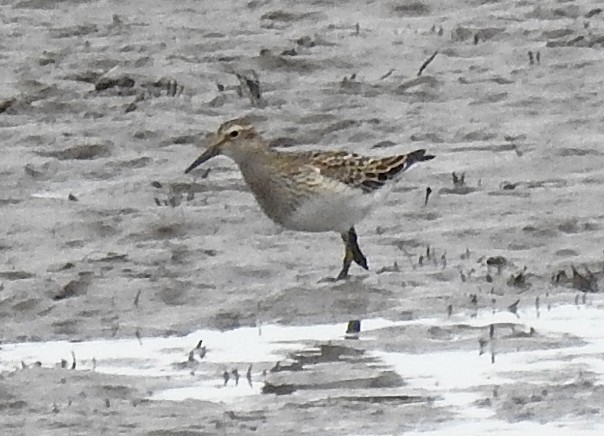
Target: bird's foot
[
  {"x": 342, "y": 276},
  {"x": 345, "y": 267}
]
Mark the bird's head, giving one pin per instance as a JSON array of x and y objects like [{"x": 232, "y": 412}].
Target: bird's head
[{"x": 234, "y": 139}]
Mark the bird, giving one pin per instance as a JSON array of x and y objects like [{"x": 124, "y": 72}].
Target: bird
[{"x": 310, "y": 191}]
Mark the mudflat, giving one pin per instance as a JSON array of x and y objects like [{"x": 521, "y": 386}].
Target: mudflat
[{"x": 104, "y": 238}]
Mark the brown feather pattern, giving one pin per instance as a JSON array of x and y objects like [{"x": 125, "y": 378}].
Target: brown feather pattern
[{"x": 363, "y": 172}]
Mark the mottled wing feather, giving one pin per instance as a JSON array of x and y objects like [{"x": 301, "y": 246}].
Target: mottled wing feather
[
  {"x": 309, "y": 179},
  {"x": 340, "y": 165},
  {"x": 363, "y": 172}
]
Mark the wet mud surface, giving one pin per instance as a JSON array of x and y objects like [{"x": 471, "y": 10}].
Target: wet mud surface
[{"x": 102, "y": 236}]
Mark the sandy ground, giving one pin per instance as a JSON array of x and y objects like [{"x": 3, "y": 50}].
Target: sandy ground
[{"x": 102, "y": 235}]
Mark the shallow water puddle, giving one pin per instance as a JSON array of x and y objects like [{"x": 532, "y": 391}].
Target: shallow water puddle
[
  {"x": 168, "y": 357},
  {"x": 457, "y": 376},
  {"x": 453, "y": 377}
]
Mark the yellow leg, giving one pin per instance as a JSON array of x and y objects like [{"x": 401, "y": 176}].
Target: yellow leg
[
  {"x": 346, "y": 263},
  {"x": 357, "y": 255},
  {"x": 352, "y": 253}
]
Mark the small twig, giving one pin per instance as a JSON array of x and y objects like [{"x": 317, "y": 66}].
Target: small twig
[
  {"x": 388, "y": 74},
  {"x": 248, "y": 375},
  {"x": 249, "y": 86},
  {"x": 425, "y": 64},
  {"x": 514, "y": 307}
]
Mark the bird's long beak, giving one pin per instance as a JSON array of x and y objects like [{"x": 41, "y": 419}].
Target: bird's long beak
[{"x": 211, "y": 151}]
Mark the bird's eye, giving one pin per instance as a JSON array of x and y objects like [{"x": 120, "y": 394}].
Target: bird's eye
[{"x": 234, "y": 134}]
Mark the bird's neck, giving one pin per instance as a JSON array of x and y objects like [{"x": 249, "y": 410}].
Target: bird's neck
[{"x": 257, "y": 157}]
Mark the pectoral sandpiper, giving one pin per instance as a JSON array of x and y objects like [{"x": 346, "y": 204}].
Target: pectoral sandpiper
[{"x": 314, "y": 191}]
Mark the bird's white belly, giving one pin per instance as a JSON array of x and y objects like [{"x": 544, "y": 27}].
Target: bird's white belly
[{"x": 326, "y": 213}]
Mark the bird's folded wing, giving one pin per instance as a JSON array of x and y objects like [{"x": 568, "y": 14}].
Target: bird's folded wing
[{"x": 362, "y": 172}]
